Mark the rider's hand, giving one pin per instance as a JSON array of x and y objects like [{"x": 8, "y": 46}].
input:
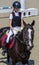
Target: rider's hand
[{"x": 11, "y": 27}]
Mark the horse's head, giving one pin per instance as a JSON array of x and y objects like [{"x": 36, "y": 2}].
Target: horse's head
[{"x": 28, "y": 34}]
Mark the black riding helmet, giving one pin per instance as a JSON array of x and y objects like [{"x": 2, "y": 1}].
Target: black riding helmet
[{"x": 16, "y": 4}]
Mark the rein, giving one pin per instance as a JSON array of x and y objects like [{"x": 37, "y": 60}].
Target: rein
[
  {"x": 17, "y": 37},
  {"x": 19, "y": 40}
]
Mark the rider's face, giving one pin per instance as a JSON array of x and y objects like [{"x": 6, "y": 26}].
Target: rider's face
[{"x": 16, "y": 9}]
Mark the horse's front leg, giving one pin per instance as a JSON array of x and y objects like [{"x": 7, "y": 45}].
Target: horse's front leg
[
  {"x": 26, "y": 62},
  {"x": 8, "y": 57},
  {"x": 13, "y": 63}
]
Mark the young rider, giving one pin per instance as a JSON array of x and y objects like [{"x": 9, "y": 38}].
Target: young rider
[{"x": 15, "y": 20}]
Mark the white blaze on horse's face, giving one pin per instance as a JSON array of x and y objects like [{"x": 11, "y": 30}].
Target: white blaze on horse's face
[{"x": 29, "y": 31}]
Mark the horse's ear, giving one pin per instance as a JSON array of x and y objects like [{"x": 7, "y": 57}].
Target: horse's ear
[
  {"x": 33, "y": 23},
  {"x": 24, "y": 23}
]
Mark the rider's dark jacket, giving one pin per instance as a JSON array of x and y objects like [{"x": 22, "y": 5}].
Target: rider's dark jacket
[{"x": 16, "y": 21}]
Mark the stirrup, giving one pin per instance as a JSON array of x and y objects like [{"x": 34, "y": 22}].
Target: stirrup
[{"x": 3, "y": 53}]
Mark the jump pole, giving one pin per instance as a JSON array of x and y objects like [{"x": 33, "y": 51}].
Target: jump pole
[{"x": 23, "y": 6}]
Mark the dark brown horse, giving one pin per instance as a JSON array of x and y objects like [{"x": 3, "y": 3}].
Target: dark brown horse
[{"x": 22, "y": 45}]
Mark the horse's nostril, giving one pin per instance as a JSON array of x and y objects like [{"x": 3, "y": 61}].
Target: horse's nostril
[
  {"x": 31, "y": 47},
  {"x": 28, "y": 48}
]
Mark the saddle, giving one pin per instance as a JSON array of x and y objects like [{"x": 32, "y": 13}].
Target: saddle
[{"x": 11, "y": 40}]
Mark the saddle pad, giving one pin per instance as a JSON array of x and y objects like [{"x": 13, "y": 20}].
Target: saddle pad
[
  {"x": 11, "y": 44},
  {"x": 3, "y": 40}
]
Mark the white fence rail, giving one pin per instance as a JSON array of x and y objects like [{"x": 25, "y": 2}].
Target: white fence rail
[
  {"x": 5, "y": 9},
  {"x": 25, "y": 12},
  {"x": 30, "y": 12}
]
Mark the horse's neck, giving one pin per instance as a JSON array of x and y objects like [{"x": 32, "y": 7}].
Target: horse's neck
[
  {"x": 21, "y": 45},
  {"x": 21, "y": 36}
]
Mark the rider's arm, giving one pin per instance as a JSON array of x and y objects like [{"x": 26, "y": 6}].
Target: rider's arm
[
  {"x": 10, "y": 20},
  {"x": 22, "y": 19}
]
